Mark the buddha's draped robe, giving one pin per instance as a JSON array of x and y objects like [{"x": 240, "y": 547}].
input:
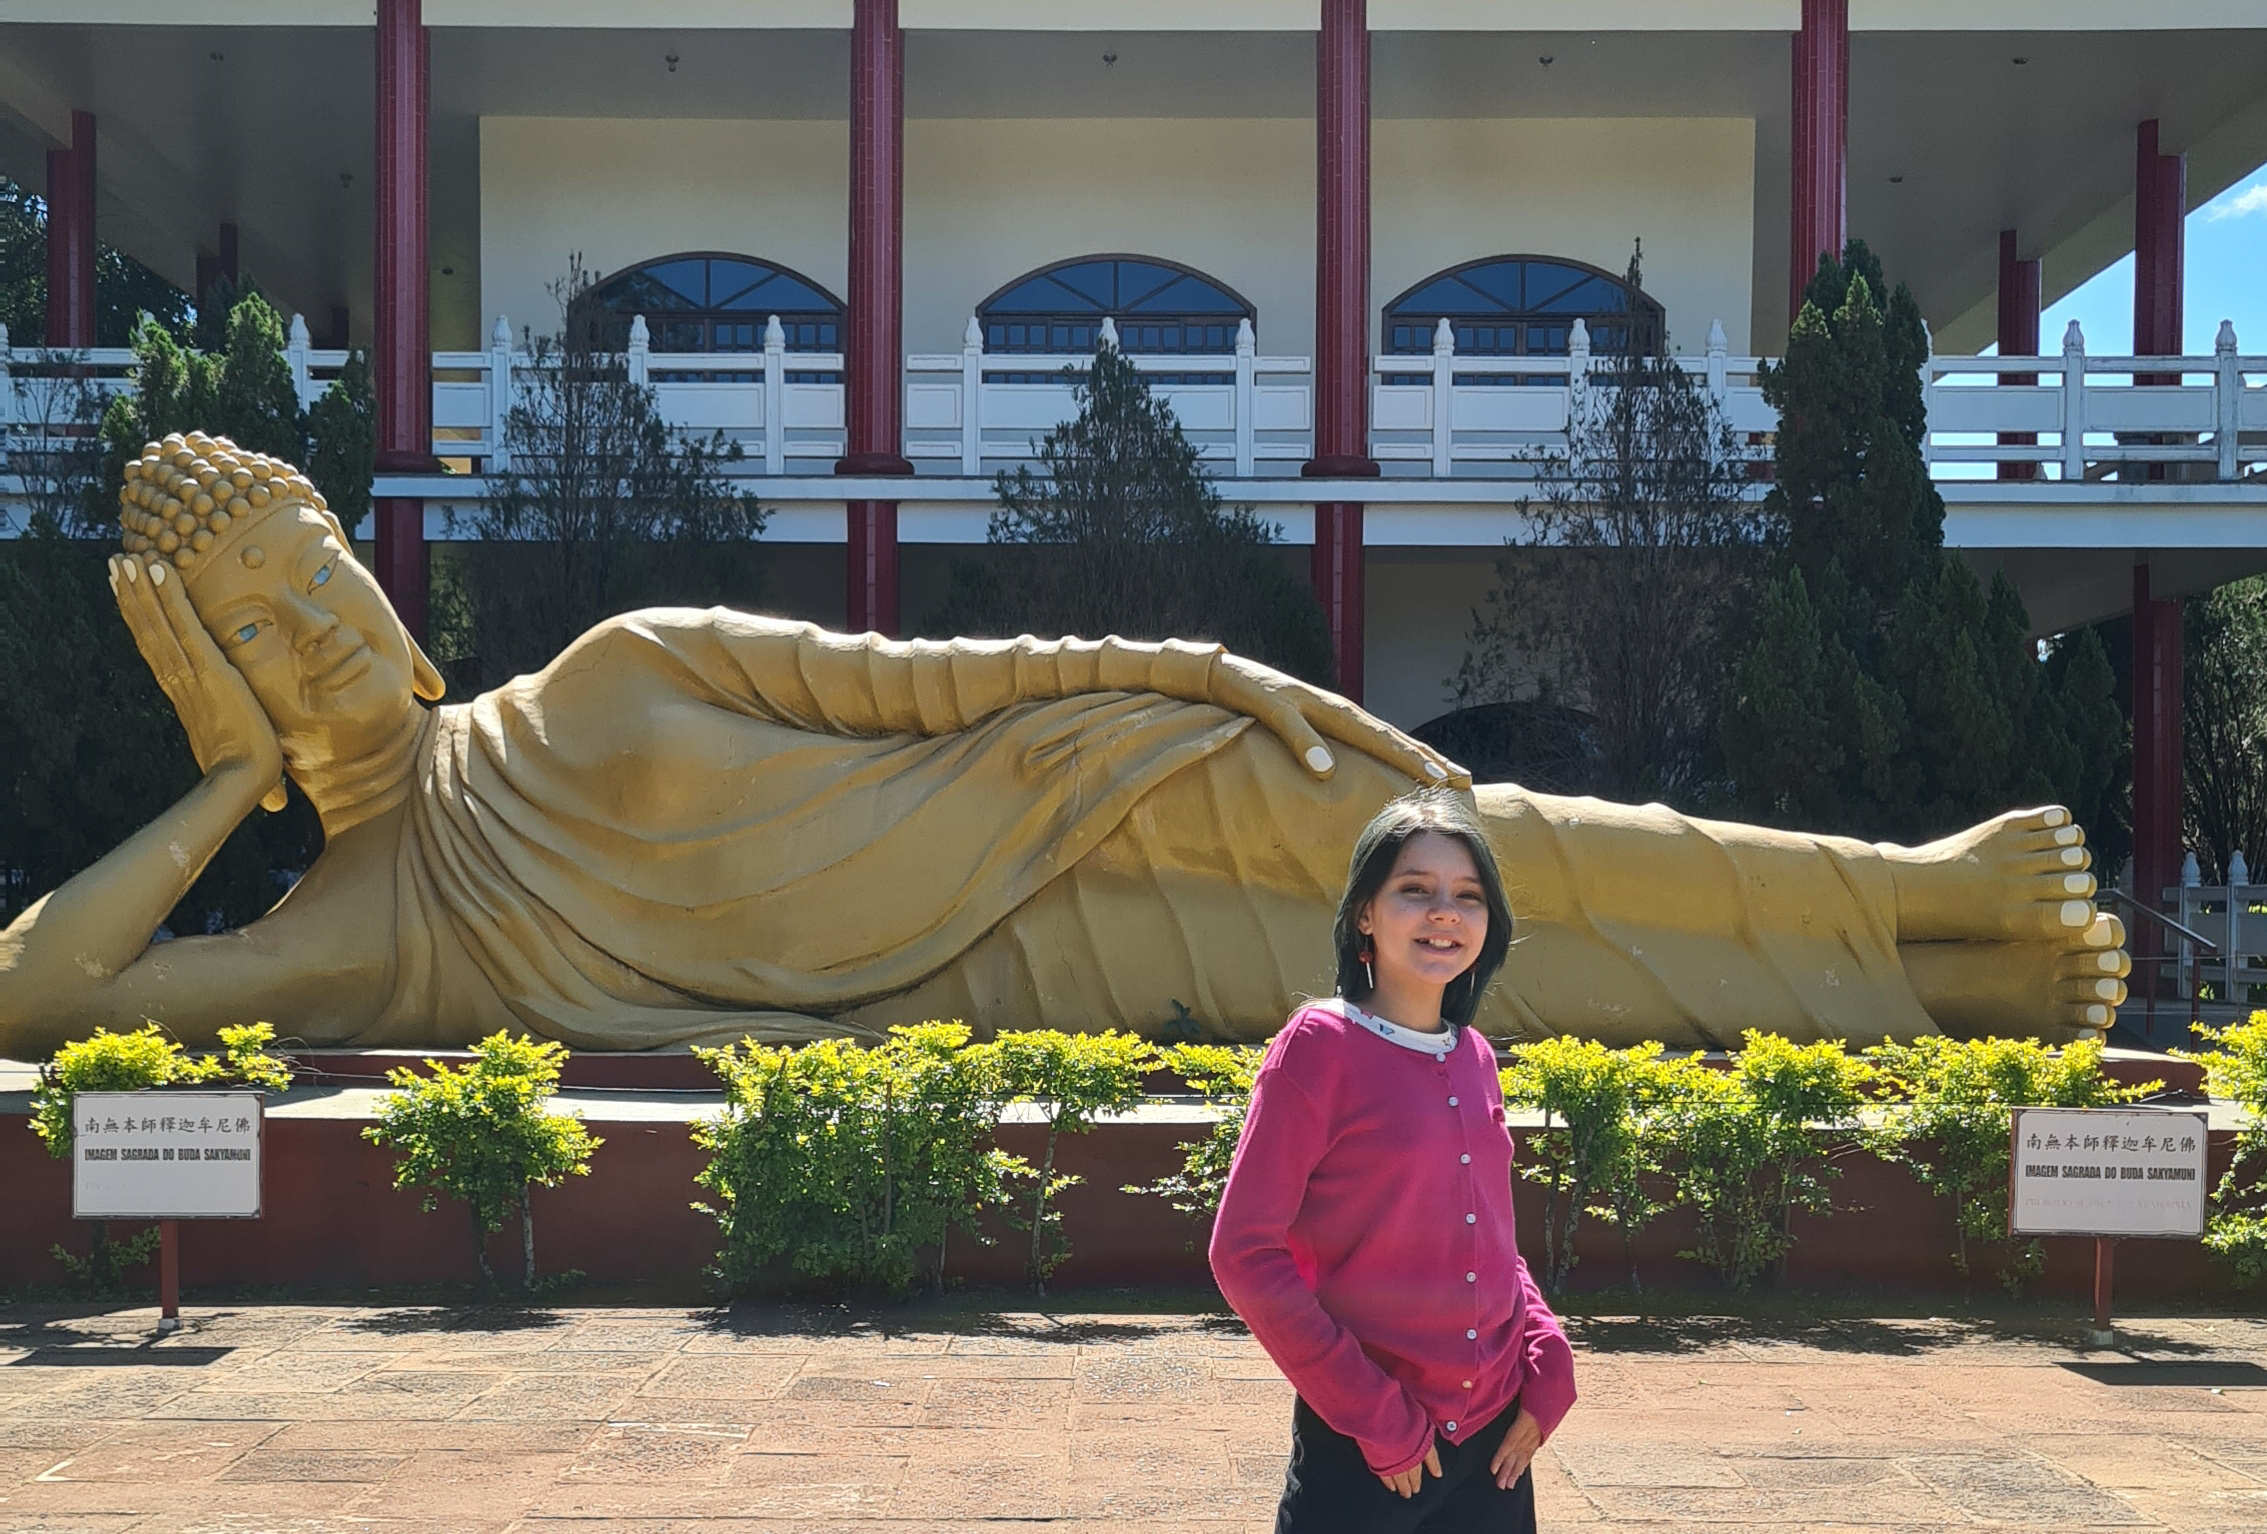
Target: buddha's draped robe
[{"x": 698, "y": 825}]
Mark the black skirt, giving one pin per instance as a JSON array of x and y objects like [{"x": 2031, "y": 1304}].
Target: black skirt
[{"x": 1330, "y": 1489}]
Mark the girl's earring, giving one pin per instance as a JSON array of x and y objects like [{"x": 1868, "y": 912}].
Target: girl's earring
[{"x": 1368, "y": 973}]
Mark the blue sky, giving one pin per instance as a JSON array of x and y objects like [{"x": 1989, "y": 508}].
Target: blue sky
[{"x": 2226, "y": 278}]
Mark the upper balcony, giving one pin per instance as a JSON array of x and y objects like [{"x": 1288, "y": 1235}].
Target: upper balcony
[{"x": 1481, "y": 424}]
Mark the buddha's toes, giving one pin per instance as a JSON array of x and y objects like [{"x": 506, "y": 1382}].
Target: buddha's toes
[{"x": 2022, "y": 876}]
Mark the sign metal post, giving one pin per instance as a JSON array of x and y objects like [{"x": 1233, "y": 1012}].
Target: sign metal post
[{"x": 168, "y": 1275}]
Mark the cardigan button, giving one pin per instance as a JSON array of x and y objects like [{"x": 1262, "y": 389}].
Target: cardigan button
[
  {"x": 1452, "y": 1102},
  {"x": 1466, "y": 1159},
  {"x": 1467, "y": 1384},
  {"x": 1471, "y": 1336},
  {"x": 1471, "y": 1219},
  {"x": 1471, "y": 1278},
  {"x": 1452, "y": 1427}
]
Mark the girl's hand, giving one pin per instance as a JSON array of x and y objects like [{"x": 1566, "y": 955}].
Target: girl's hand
[
  {"x": 1304, "y": 718},
  {"x": 1407, "y": 1482},
  {"x": 228, "y": 730},
  {"x": 1517, "y": 1451}
]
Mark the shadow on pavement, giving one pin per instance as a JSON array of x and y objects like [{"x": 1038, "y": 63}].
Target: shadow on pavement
[{"x": 2224, "y": 1374}]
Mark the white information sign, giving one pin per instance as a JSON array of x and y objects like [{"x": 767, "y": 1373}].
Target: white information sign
[
  {"x": 166, "y": 1155},
  {"x": 2108, "y": 1172}
]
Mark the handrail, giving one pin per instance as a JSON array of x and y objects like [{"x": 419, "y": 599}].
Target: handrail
[
  {"x": 2155, "y": 915},
  {"x": 2195, "y": 962}
]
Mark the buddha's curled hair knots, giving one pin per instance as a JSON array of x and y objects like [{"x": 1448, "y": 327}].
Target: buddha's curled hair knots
[{"x": 187, "y": 496}]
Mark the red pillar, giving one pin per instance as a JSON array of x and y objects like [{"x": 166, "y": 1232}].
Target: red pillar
[
  {"x": 2160, "y": 209},
  {"x": 212, "y": 268},
  {"x": 875, "y": 359},
  {"x": 1342, "y": 322},
  {"x": 2156, "y": 745},
  {"x": 70, "y": 237},
  {"x": 2018, "y": 337},
  {"x": 402, "y": 358},
  {"x": 1819, "y": 201}
]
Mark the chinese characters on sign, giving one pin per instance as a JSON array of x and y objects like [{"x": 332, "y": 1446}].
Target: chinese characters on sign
[
  {"x": 166, "y": 1155},
  {"x": 2108, "y": 1172}
]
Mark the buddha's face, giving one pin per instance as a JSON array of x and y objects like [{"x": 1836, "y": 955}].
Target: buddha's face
[{"x": 313, "y": 635}]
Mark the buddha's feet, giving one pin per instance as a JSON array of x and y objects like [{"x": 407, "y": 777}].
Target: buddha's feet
[
  {"x": 2021, "y": 877},
  {"x": 2042, "y": 989},
  {"x": 1999, "y": 933}
]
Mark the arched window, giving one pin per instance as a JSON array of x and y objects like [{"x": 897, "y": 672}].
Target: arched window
[
  {"x": 1524, "y": 306},
  {"x": 1158, "y": 307},
  {"x": 707, "y": 301}
]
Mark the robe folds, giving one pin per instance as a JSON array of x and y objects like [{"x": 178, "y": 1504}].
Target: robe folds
[{"x": 695, "y": 826}]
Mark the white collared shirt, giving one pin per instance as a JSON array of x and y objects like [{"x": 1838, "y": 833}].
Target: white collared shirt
[{"x": 1439, "y": 1045}]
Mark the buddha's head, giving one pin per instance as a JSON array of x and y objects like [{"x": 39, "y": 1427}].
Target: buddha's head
[{"x": 273, "y": 576}]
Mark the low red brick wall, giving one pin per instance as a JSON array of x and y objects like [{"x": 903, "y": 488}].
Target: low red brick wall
[{"x": 334, "y": 1219}]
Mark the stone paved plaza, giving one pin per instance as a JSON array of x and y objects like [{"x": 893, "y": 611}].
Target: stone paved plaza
[{"x": 315, "y": 1419}]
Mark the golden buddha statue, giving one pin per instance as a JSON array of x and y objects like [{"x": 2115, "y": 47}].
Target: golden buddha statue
[{"x": 696, "y": 825}]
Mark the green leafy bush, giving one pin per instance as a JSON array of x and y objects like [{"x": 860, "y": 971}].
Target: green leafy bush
[
  {"x": 1950, "y": 1115},
  {"x": 1594, "y": 1154},
  {"x": 1223, "y": 1074},
  {"x": 2237, "y": 1070},
  {"x": 144, "y": 1058},
  {"x": 1070, "y": 1077},
  {"x": 480, "y": 1133},
  {"x": 135, "y": 1062},
  {"x": 853, "y": 1164},
  {"x": 1750, "y": 1146}
]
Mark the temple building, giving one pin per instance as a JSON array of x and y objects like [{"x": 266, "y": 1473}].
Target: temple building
[{"x": 1370, "y": 250}]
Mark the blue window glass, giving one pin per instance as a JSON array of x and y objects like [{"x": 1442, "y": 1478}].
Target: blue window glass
[
  {"x": 1160, "y": 309},
  {"x": 712, "y": 302},
  {"x": 1522, "y": 306}
]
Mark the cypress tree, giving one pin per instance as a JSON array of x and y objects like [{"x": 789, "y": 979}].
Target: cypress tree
[{"x": 1888, "y": 693}]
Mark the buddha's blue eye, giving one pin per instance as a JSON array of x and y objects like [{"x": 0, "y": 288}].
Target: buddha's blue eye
[
  {"x": 323, "y": 576},
  {"x": 247, "y": 633}
]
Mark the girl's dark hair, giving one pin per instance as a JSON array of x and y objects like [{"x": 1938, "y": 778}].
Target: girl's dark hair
[{"x": 1375, "y": 852}]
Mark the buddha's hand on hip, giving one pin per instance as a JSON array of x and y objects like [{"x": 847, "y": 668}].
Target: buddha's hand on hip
[
  {"x": 1311, "y": 721},
  {"x": 228, "y": 730}
]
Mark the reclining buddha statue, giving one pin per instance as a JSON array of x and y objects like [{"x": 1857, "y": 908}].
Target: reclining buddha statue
[{"x": 698, "y": 825}]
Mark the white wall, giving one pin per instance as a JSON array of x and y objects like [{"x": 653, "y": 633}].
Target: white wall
[
  {"x": 623, "y": 190},
  {"x": 1445, "y": 191},
  {"x": 987, "y": 200}
]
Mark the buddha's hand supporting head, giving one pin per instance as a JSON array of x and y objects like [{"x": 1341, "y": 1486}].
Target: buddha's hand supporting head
[{"x": 274, "y": 644}]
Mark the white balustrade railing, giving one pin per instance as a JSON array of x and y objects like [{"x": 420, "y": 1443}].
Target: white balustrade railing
[
  {"x": 1439, "y": 415},
  {"x": 2104, "y": 417},
  {"x": 1508, "y": 417}
]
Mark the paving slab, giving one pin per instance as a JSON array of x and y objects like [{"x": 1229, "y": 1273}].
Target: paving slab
[{"x": 499, "y": 1420}]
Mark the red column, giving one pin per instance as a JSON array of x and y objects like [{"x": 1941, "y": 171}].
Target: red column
[
  {"x": 2018, "y": 336},
  {"x": 875, "y": 358},
  {"x": 1342, "y": 322},
  {"x": 70, "y": 237},
  {"x": 2156, "y": 744},
  {"x": 2160, "y": 208},
  {"x": 212, "y": 268},
  {"x": 1821, "y": 143},
  {"x": 402, "y": 358}
]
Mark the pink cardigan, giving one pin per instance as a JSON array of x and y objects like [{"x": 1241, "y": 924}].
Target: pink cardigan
[{"x": 1365, "y": 1236}]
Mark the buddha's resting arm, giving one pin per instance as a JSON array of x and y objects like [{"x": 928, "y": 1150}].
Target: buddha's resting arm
[{"x": 863, "y": 684}]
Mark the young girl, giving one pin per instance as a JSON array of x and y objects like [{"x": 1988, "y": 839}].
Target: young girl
[{"x": 1365, "y": 1234}]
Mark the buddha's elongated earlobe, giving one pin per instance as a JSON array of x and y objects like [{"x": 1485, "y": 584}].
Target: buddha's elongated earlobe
[{"x": 425, "y": 677}]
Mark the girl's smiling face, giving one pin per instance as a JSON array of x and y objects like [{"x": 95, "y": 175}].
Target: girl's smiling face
[
  {"x": 1427, "y": 921},
  {"x": 292, "y": 609}
]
